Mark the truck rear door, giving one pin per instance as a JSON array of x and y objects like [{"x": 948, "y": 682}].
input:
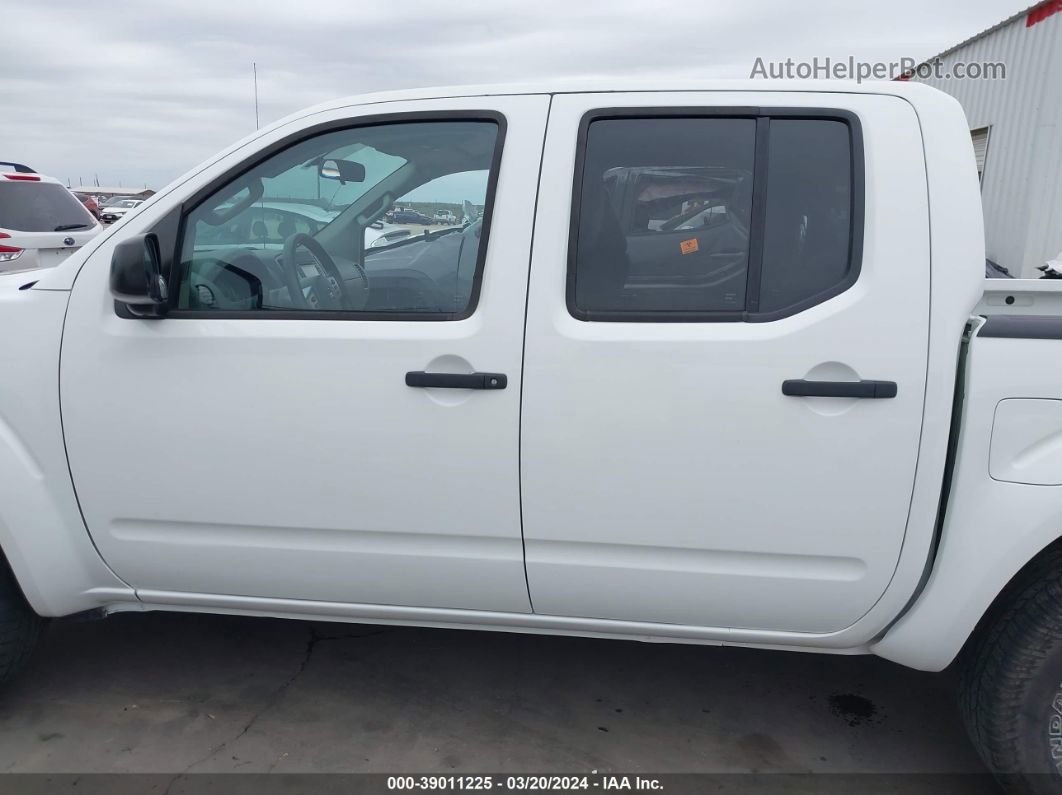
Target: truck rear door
[{"x": 725, "y": 357}]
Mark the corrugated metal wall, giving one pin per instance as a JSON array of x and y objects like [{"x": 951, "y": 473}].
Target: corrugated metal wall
[{"x": 1022, "y": 185}]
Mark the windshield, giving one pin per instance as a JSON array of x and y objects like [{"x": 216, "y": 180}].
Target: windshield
[{"x": 41, "y": 207}]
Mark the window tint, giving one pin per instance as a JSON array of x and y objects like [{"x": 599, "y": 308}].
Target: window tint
[
  {"x": 809, "y": 200},
  {"x": 664, "y": 212},
  {"x": 41, "y": 207},
  {"x": 665, "y": 228},
  {"x": 302, "y": 230}
]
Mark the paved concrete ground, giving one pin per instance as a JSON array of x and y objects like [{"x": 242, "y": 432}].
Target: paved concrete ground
[{"x": 170, "y": 693}]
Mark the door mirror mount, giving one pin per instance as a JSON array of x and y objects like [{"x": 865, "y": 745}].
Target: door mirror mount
[{"x": 137, "y": 283}]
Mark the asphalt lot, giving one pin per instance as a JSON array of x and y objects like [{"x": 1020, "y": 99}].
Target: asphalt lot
[{"x": 173, "y": 693}]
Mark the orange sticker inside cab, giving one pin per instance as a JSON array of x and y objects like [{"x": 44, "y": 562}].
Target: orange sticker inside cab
[{"x": 688, "y": 246}]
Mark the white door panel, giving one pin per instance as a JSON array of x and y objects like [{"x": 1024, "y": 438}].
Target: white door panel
[
  {"x": 665, "y": 475},
  {"x": 287, "y": 458}
]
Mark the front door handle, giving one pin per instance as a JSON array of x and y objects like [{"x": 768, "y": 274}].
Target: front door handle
[
  {"x": 456, "y": 380},
  {"x": 845, "y": 389}
]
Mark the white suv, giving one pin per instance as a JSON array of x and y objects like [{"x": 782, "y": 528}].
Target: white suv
[
  {"x": 114, "y": 209},
  {"x": 41, "y": 222}
]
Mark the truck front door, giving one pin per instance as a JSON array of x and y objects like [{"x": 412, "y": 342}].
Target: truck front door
[{"x": 264, "y": 440}]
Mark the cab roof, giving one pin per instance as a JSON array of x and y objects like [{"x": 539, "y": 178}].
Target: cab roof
[{"x": 623, "y": 85}]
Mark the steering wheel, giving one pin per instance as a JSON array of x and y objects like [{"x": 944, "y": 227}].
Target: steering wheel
[{"x": 337, "y": 293}]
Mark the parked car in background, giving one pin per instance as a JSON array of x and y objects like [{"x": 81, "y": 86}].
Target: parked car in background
[
  {"x": 116, "y": 208},
  {"x": 90, "y": 203},
  {"x": 41, "y": 223},
  {"x": 444, "y": 217},
  {"x": 410, "y": 217}
]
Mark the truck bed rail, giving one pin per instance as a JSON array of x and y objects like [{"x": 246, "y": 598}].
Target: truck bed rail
[{"x": 1021, "y": 297}]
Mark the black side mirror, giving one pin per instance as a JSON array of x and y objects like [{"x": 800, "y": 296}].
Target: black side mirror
[
  {"x": 137, "y": 283},
  {"x": 343, "y": 170}
]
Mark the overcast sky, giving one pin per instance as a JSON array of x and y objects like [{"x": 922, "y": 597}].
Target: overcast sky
[{"x": 138, "y": 92}]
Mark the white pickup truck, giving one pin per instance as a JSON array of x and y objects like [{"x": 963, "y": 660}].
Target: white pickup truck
[{"x": 717, "y": 365}]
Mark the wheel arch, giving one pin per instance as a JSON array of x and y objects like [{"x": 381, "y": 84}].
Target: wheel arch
[
  {"x": 961, "y": 598},
  {"x": 1013, "y": 587}
]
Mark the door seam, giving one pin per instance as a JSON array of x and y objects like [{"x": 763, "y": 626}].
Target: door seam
[{"x": 523, "y": 358}]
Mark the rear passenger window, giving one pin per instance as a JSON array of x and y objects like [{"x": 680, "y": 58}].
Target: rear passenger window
[{"x": 711, "y": 218}]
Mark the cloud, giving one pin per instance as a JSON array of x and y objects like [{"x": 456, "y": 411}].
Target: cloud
[{"x": 139, "y": 92}]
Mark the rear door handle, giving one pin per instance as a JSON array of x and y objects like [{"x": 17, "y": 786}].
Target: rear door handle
[
  {"x": 845, "y": 389},
  {"x": 456, "y": 380}
]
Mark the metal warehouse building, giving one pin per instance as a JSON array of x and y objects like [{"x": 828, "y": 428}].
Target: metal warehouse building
[{"x": 1016, "y": 125}]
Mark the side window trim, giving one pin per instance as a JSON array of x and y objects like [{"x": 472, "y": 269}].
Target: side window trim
[
  {"x": 759, "y": 217},
  {"x": 170, "y": 230},
  {"x": 763, "y": 116}
]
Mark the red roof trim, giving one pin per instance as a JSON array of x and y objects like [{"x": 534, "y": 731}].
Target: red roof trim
[{"x": 1042, "y": 12}]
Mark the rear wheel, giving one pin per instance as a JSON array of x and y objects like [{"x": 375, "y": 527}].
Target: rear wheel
[
  {"x": 19, "y": 625},
  {"x": 1011, "y": 690}
]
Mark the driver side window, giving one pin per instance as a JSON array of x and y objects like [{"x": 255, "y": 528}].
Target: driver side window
[{"x": 380, "y": 221}]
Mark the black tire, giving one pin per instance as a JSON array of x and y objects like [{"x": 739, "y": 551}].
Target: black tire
[
  {"x": 19, "y": 625},
  {"x": 1011, "y": 685}
]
